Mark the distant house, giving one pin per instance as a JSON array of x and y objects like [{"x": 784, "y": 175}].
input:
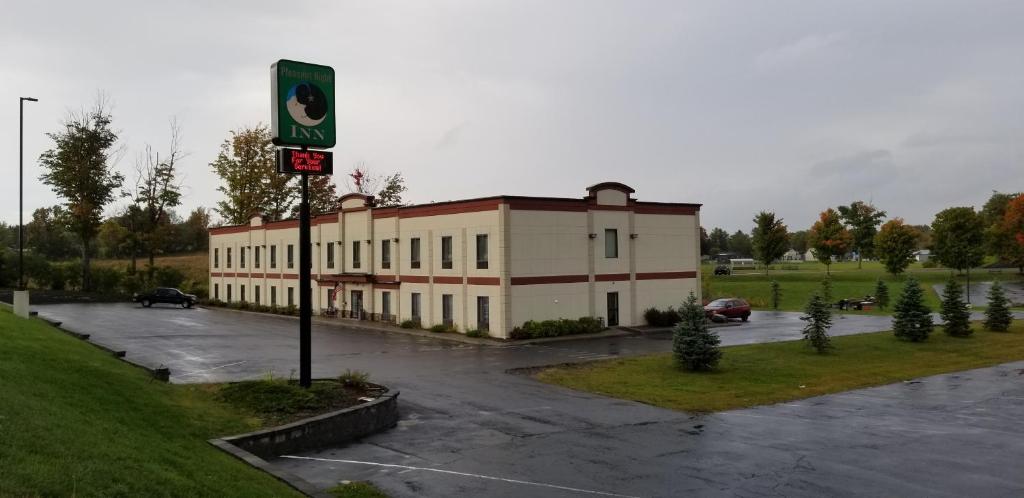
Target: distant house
[
  {"x": 922, "y": 256},
  {"x": 792, "y": 255},
  {"x": 809, "y": 255}
]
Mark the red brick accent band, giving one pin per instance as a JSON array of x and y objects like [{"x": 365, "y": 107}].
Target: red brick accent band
[
  {"x": 553, "y": 279},
  {"x": 666, "y": 275},
  {"x": 415, "y": 279},
  {"x": 447, "y": 280},
  {"x": 483, "y": 280},
  {"x": 612, "y": 277}
]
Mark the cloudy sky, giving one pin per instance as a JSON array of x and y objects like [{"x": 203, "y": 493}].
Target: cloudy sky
[{"x": 742, "y": 106}]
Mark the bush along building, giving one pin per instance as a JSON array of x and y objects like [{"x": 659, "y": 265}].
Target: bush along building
[{"x": 487, "y": 264}]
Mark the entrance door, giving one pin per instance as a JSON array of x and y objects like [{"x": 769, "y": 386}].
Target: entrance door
[
  {"x": 357, "y": 305},
  {"x": 613, "y": 309}
]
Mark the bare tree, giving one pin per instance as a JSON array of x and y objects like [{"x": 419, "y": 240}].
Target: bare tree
[{"x": 157, "y": 191}]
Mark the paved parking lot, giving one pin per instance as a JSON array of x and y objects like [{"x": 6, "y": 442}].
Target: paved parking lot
[{"x": 469, "y": 429}]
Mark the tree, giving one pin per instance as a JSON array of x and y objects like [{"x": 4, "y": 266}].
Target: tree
[
  {"x": 1008, "y": 233},
  {"x": 195, "y": 236},
  {"x": 705, "y": 242},
  {"x": 323, "y": 196},
  {"x": 770, "y": 239},
  {"x": 251, "y": 182},
  {"x": 912, "y": 320},
  {"x": 819, "y": 319},
  {"x": 48, "y": 235},
  {"x": 895, "y": 245},
  {"x": 998, "y": 316},
  {"x": 798, "y": 241},
  {"x": 958, "y": 240},
  {"x": 776, "y": 293},
  {"x": 924, "y": 240},
  {"x": 112, "y": 239},
  {"x": 863, "y": 220},
  {"x": 740, "y": 244},
  {"x": 80, "y": 170},
  {"x": 881, "y": 294},
  {"x": 694, "y": 345},
  {"x": 954, "y": 310},
  {"x": 826, "y": 289},
  {"x": 828, "y": 238},
  {"x": 156, "y": 192},
  {"x": 719, "y": 240},
  {"x": 390, "y": 194}
]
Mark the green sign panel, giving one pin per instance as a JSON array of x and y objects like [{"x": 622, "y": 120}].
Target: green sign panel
[{"x": 303, "y": 104}]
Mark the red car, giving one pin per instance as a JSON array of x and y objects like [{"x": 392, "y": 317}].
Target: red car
[{"x": 721, "y": 309}]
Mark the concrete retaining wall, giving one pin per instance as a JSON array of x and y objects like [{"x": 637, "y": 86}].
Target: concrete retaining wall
[{"x": 329, "y": 429}]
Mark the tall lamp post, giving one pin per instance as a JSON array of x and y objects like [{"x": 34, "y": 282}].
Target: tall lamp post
[{"x": 21, "y": 296}]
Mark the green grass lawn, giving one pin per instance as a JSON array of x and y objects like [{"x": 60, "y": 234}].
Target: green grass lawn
[
  {"x": 74, "y": 421},
  {"x": 195, "y": 265},
  {"x": 770, "y": 373},
  {"x": 799, "y": 280}
]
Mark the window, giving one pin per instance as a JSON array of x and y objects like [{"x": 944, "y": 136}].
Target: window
[
  {"x": 229, "y": 293},
  {"x": 216, "y": 258},
  {"x": 291, "y": 296},
  {"x": 330, "y": 254},
  {"x": 330, "y": 298},
  {"x": 481, "y": 251},
  {"x": 256, "y": 294},
  {"x": 241, "y": 259},
  {"x": 446, "y": 252},
  {"x": 483, "y": 313},
  {"x": 416, "y": 306},
  {"x": 414, "y": 252},
  {"x": 291, "y": 256},
  {"x": 385, "y": 254},
  {"x": 273, "y": 256},
  {"x": 216, "y": 291},
  {"x": 355, "y": 254},
  {"x": 229, "y": 257},
  {"x": 447, "y": 308},
  {"x": 256, "y": 257},
  {"x": 611, "y": 243},
  {"x": 385, "y": 306},
  {"x": 241, "y": 293},
  {"x": 312, "y": 253},
  {"x": 273, "y": 296}
]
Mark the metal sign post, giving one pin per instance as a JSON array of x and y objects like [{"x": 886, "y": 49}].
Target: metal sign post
[{"x": 302, "y": 114}]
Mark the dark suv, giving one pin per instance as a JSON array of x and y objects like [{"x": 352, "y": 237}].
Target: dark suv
[{"x": 165, "y": 295}]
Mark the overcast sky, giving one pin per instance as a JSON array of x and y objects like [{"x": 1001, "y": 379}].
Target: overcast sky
[{"x": 742, "y": 106}]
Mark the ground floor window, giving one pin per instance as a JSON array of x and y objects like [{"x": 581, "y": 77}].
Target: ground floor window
[
  {"x": 229, "y": 293},
  {"x": 447, "y": 309},
  {"x": 273, "y": 296},
  {"x": 483, "y": 313},
  {"x": 256, "y": 294},
  {"x": 241, "y": 293},
  {"x": 330, "y": 299},
  {"x": 385, "y": 305},
  {"x": 415, "y": 308},
  {"x": 216, "y": 291},
  {"x": 291, "y": 296}
]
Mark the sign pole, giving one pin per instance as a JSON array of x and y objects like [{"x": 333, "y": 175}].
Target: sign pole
[{"x": 305, "y": 293}]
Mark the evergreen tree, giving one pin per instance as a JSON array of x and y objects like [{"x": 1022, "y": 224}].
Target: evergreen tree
[
  {"x": 770, "y": 239},
  {"x": 954, "y": 310},
  {"x": 819, "y": 320},
  {"x": 694, "y": 345},
  {"x": 826, "y": 290},
  {"x": 997, "y": 317},
  {"x": 882, "y": 294},
  {"x": 912, "y": 320},
  {"x": 776, "y": 294}
]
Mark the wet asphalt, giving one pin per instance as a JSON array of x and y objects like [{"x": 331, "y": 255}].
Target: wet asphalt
[{"x": 469, "y": 429}]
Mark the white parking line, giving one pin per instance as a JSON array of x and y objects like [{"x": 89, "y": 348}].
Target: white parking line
[{"x": 466, "y": 474}]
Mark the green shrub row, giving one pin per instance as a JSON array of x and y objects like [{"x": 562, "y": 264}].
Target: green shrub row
[
  {"x": 245, "y": 306},
  {"x": 657, "y": 318},
  {"x": 556, "y": 328}
]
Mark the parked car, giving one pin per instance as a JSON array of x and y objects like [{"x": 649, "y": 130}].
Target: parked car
[
  {"x": 165, "y": 295},
  {"x": 723, "y": 270},
  {"x": 724, "y": 309}
]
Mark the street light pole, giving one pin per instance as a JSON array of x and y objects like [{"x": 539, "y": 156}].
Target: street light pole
[{"x": 21, "y": 189}]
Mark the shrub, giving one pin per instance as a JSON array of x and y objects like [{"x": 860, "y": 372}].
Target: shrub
[
  {"x": 657, "y": 318},
  {"x": 954, "y": 310},
  {"x": 555, "y": 328},
  {"x": 106, "y": 280},
  {"x": 518, "y": 334},
  {"x": 819, "y": 320},
  {"x": 477, "y": 333},
  {"x": 826, "y": 290},
  {"x": 168, "y": 276},
  {"x": 776, "y": 293},
  {"x": 930, "y": 264},
  {"x": 882, "y": 294},
  {"x": 694, "y": 345},
  {"x": 997, "y": 317},
  {"x": 912, "y": 320},
  {"x": 410, "y": 324},
  {"x": 354, "y": 378},
  {"x": 442, "y": 328}
]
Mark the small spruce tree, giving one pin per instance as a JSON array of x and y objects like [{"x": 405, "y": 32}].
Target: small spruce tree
[
  {"x": 997, "y": 317},
  {"x": 912, "y": 319},
  {"x": 954, "y": 310},
  {"x": 882, "y": 294},
  {"x": 694, "y": 345},
  {"x": 819, "y": 319},
  {"x": 776, "y": 294},
  {"x": 826, "y": 290}
]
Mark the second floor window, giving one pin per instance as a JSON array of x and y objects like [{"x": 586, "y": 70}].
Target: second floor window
[
  {"x": 291, "y": 256},
  {"x": 330, "y": 254},
  {"x": 273, "y": 256},
  {"x": 356, "y": 263},
  {"x": 241, "y": 260},
  {"x": 414, "y": 252},
  {"x": 385, "y": 254},
  {"x": 481, "y": 251},
  {"x": 611, "y": 243},
  {"x": 446, "y": 252},
  {"x": 256, "y": 259},
  {"x": 229, "y": 257},
  {"x": 216, "y": 258}
]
